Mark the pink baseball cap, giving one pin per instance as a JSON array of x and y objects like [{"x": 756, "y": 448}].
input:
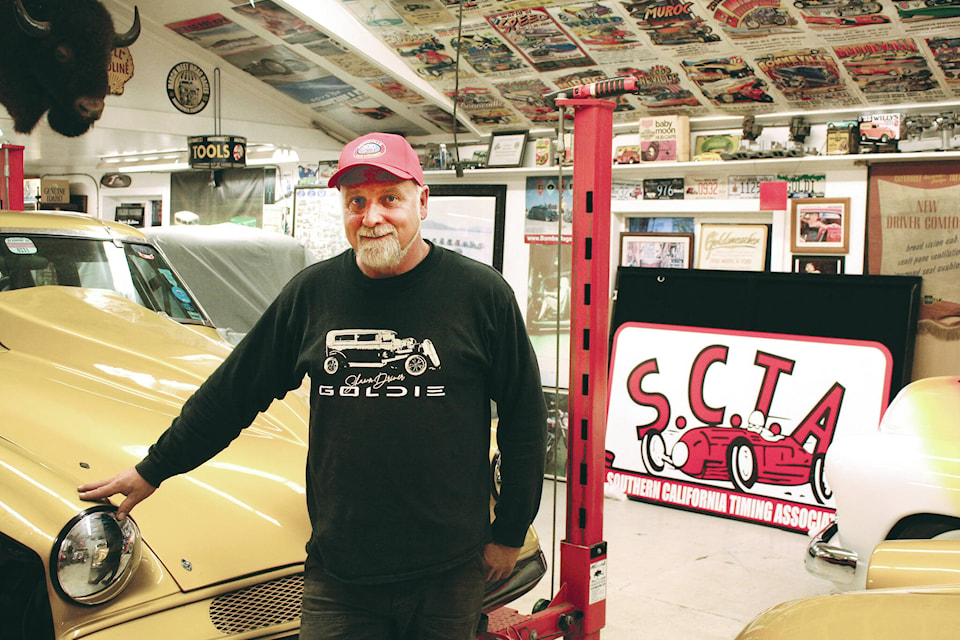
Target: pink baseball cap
[{"x": 387, "y": 151}]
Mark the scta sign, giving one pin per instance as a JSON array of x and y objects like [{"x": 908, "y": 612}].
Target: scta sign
[
  {"x": 737, "y": 423},
  {"x": 217, "y": 152}
]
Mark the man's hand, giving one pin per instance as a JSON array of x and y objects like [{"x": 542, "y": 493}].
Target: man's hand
[
  {"x": 130, "y": 483},
  {"x": 499, "y": 560}
]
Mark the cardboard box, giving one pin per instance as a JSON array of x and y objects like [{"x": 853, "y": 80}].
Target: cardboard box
[
  {"x": 842, "y": 138},
  {"x": 543, "y": 152},
  {"x": 665, "y": 139}
]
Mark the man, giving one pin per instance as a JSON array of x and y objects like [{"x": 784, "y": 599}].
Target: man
[{"x": 397, "y": 468}]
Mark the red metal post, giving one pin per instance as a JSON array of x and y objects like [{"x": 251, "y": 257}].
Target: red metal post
[
  {"x": 11, "y": 177},
  {"x": 583, "y": 554}
]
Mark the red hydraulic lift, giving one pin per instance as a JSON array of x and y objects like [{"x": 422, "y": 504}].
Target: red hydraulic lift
[
  {"x": 11, "y": 177},
  {"x": 578, "y": 611}
]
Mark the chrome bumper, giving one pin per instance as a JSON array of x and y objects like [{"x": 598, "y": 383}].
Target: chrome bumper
[{"x": 829, "y": 562}]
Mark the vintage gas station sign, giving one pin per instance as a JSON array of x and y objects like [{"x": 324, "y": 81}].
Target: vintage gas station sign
[{"x": 736, "y": 423}]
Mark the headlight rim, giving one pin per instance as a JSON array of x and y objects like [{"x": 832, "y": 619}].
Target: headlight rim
[{"x": 118, "y": 582}]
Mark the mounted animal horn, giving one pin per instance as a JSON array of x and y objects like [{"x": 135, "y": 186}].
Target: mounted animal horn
[
  {"x": 130, "y": 36},
  {"x": 31, "y": 27}
]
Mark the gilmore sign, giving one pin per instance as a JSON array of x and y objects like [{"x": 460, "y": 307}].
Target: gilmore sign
[{"x": 217, "y": 152}]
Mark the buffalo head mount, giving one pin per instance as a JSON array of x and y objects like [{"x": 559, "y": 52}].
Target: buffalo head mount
[{"x": 54, "y": 57}]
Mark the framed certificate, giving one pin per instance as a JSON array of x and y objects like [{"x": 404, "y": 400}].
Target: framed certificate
[{"x": 506, "y": 149}]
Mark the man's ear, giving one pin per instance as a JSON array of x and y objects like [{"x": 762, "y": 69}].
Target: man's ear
[{"x": 424, "y": 195}]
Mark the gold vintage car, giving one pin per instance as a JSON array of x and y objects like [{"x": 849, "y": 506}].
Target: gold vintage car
[
  {"x": 912, "y": 592},
  {"x": 100, "y": 344}
]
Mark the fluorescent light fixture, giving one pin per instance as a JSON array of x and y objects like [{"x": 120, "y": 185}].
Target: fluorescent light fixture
[{"x": 147, "y": 167}]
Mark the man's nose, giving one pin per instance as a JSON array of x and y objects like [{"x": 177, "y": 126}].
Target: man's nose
[{"x": 373, "y": 215}]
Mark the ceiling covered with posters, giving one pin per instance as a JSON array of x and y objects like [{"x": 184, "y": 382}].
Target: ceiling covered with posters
[
  {"x": 702, "y": 57},
  {"x": 348, "y": 67}
]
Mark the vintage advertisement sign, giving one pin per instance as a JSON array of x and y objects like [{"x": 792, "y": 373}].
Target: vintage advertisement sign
[
  {"x": 217, "y": 152},
  {"x": 914, "y": 229},
  {"x": 736, "y": 423}
]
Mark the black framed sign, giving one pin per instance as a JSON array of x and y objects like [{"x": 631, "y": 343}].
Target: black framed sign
[
  {"x": 506, "y": 149},
  {"x": 468, "y": 219}
]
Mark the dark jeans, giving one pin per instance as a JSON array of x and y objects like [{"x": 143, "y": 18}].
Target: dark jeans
[{"x": 441, "y": 607}]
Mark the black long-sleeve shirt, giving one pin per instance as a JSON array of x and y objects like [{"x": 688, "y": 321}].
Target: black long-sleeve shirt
[{"x": 402, "y": 372}]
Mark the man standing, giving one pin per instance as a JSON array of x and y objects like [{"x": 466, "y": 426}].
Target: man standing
[{"x": 397, "y": 466}]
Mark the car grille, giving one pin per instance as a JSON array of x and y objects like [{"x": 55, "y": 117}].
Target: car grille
[{"x": 258, "y": 606}]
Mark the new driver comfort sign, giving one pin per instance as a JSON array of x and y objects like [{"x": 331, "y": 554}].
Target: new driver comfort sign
[{"x": 734, "y": 423}]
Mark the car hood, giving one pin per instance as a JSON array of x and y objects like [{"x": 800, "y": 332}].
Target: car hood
[{"x": 93, "y": 379}]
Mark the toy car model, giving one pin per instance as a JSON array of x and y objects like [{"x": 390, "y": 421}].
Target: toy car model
[
  {"x": 911, "y": 592},
  {"x": 628, "y": 154},
  {"x": 876, "y": 131},
  {"x": 900, "y": 481},
  {"x": 100, "y": 344}
]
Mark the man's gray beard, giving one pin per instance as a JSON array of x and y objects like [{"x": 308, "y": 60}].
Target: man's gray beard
[{"x": 384, "y": 253}]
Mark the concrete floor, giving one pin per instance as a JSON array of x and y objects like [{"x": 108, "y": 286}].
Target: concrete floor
[{"x": 677, "y": 575}]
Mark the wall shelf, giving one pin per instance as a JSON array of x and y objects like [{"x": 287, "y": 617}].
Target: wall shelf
[{"x": 755, "y": 166}]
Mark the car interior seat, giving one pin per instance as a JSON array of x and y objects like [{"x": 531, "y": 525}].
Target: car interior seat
[{"x": 21, "y": 269}]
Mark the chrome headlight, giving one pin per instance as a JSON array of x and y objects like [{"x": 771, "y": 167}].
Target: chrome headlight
[{"x": 95, "y": 556}]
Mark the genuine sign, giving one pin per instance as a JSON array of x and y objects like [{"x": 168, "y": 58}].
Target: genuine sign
[{"x": 735, "y": 423}]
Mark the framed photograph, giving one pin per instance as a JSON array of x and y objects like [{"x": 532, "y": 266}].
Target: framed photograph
[
  {"x": 832, "y": 265},
  {"x": 733, "y": 247},
  {"x": 665, "y": 250},
  {"x": 820, "y": 225},
  {"x": 506, "y": 149},
  {"x": 468, "y": 219}
]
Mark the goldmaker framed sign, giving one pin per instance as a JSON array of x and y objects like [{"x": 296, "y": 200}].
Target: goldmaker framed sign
[{"x": 737, "y": 423}]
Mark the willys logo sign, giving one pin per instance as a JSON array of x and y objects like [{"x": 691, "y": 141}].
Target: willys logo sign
[{"x": 734, "y": 423}]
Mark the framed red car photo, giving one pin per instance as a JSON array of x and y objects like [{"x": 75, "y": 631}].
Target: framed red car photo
[{"x": 820, "y": 225}]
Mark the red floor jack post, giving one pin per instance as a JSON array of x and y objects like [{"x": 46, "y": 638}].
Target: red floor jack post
[{"x": 578, "y": 611}]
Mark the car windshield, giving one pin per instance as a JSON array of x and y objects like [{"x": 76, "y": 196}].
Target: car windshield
[{"x": 135, "y": 271}]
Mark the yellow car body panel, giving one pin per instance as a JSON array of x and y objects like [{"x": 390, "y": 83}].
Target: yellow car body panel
[{"x": 72, "y": 347}]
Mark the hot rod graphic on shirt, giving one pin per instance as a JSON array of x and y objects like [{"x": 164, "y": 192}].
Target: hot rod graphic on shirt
[{"x": 377, "y": 348}]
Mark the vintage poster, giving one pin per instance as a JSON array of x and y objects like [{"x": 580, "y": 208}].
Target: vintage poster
[
  {"x": 280, "y": 22},
  {"x": 218, "y": 34},
  {"x": 742, "y": 19},
  {"x": 540, "y": 39},
  {"x": 727, "y": 80},
  {"x": 914, "y": 229},
  {"x": 605, "y": 35},
  {"x": 660, "y": 87},
  {"x": 549, "y": 210},
  {"x": 734, "y": 423},
  {"x": 807, "y": 77},
  {"x": 894, "y": 67}
]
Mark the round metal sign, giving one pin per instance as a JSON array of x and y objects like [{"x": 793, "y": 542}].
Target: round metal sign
[{"x": 188, "y": 87}]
